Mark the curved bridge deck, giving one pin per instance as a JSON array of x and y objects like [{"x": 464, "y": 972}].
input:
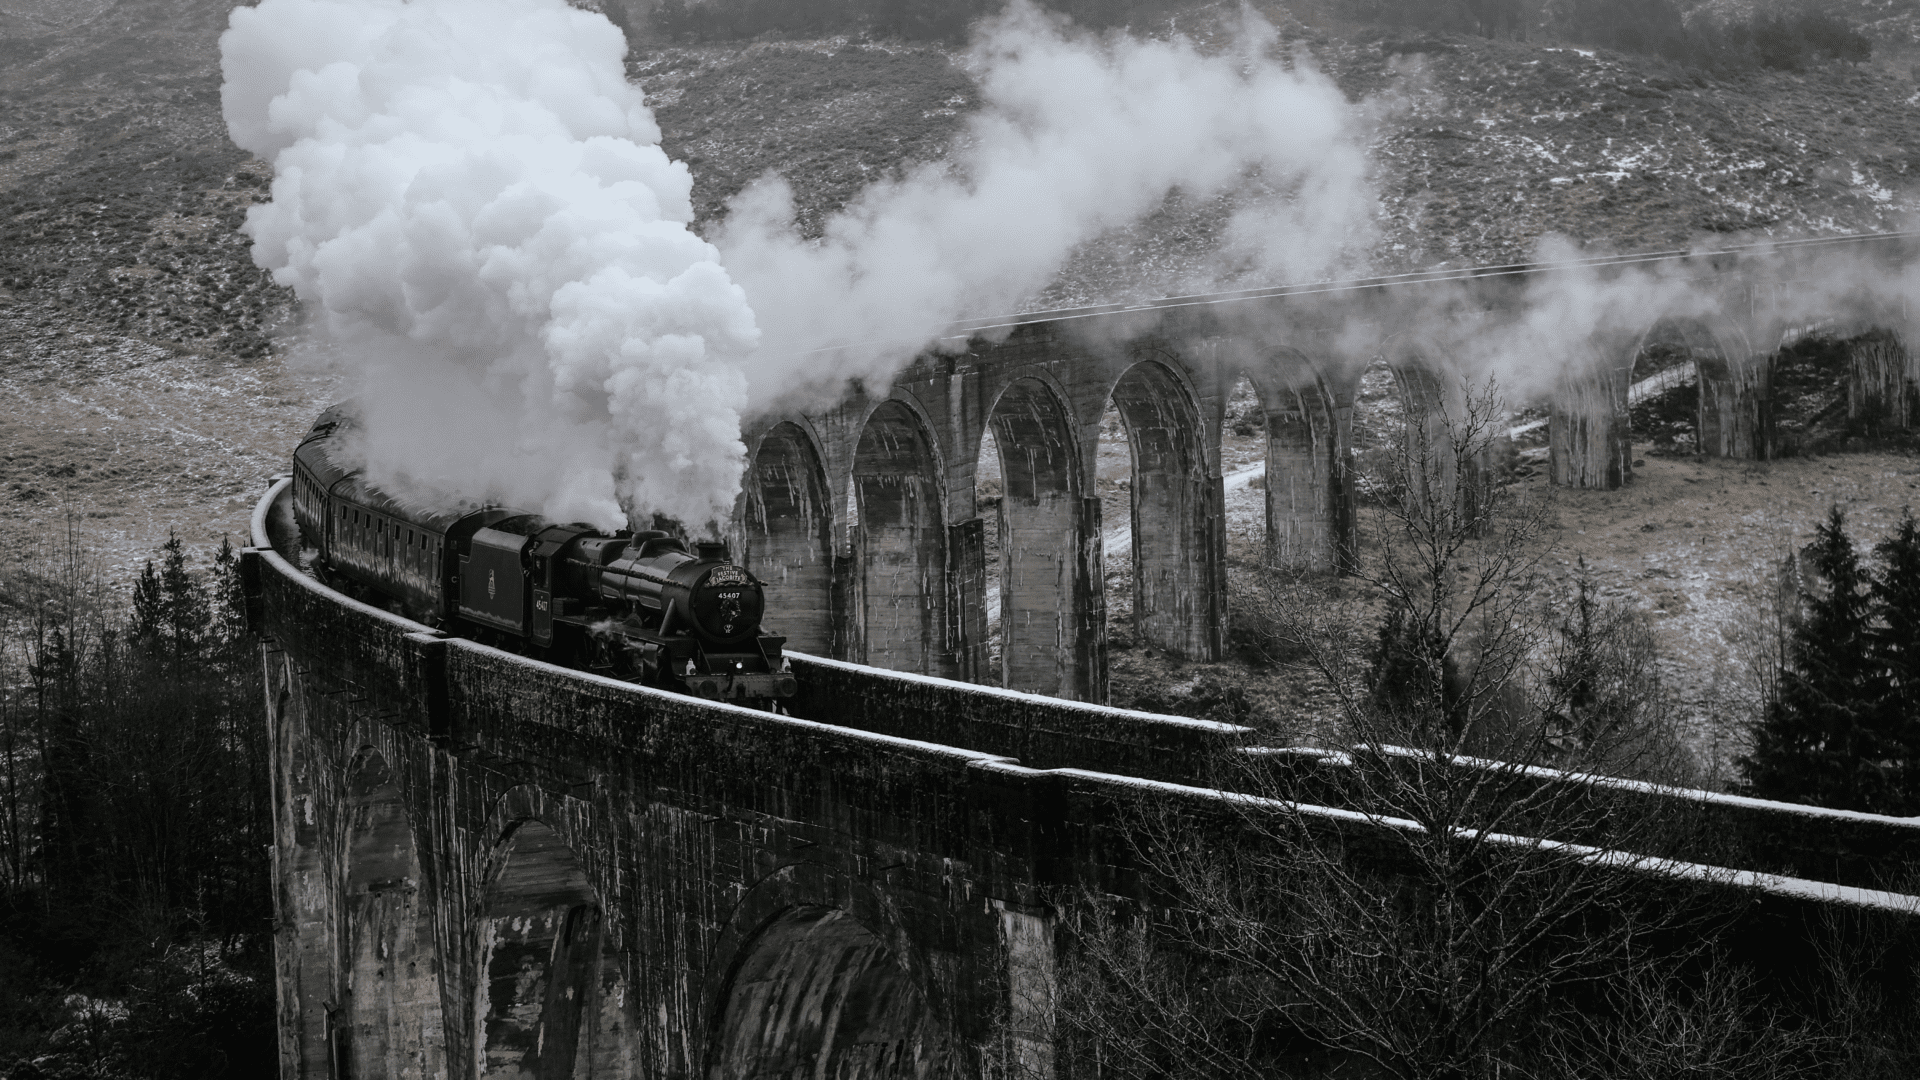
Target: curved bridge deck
[{"x": 490, "y": 866}]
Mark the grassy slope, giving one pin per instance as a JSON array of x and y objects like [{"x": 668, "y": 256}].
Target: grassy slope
[
  {"x": 1483, "y": 146},
  {"x": 143, "y": 390}
]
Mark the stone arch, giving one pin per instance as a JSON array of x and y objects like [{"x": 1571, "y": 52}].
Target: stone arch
[
  {"x": 1881, "y": 390},
  {"x": 1177, "y": 541},
  {"x": 819, "y": 981},
  {"x": 899, "y": 545},
  {"x": 552, "y": 994},
  {"x": 1734, "y": 416},
  {"x": 787, "y": 535},
  {"x": 389, "y": 1024},
  {"x": 1304, "y": 508},
  {"x": 1045, "y": 576}
]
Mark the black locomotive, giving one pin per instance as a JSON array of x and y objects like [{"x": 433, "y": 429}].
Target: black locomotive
[{"x": 637, "y": 606}]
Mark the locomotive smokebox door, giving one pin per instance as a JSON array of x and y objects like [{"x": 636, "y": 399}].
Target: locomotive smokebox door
[
  {"x": 493, "y": 581},
  {"x": 727, "y": 604}
]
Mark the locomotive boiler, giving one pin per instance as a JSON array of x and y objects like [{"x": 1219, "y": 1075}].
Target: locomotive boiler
[{"x": 641, "y": 606}]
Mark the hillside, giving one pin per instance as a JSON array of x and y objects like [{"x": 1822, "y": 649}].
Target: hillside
[
  {"x": 154, "y": 387},
  {"x": 1481, "y": 146},
  {"x": 145, "y": 393}
]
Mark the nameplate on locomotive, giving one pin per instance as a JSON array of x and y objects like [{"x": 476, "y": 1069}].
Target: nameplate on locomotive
[{"x": 727, "y": 575}]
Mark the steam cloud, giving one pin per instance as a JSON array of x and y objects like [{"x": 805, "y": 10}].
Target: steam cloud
[
  {"x": 471, "y": 202},
  {"x": 1076, "y": 135},
  {"x": 1579, "y": 322}
]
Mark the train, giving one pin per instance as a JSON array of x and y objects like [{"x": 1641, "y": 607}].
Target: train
[{"x": 640, "y": 606}]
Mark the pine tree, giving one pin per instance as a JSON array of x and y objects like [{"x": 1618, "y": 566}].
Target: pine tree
[
  {"x": 1819, "y": 743},
  {"x": 1895, "y": 651},
  {"x": 227, "y": 627},
  {"x": 170, "y": 609},
  {"x": 149, "y": 604}
]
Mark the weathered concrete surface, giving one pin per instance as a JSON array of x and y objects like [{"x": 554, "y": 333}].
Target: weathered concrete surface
[
  {"x": 862, "y": 517},
  {"x": 486, "y": 866}
]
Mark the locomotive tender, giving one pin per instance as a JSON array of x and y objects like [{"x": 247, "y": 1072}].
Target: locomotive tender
[{"x": 637, "y": 606}]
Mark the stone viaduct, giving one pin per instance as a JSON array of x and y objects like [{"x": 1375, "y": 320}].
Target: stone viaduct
[
  {"x": 486, "y": 866},
  {"x": 863, "y": 517}
]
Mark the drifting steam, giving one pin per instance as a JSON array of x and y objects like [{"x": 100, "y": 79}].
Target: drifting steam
[
  {"x": 471, "y": 202},
  {"x": 473, "y": 205},
  {"x": 1076, "y": 135},
  {"x": 1585, "y": 322}
]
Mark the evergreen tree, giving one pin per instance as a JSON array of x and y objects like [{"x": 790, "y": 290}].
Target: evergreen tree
[
  {"x": 1820, "y": 742},
  {"x": 229, "y": 602},
  {"x": 1412, "y": 673},
  {"x": 1603, "y": 703},
  {"x": 136, "y": 816},
  {"x": 170, "y": 609},
  {"x": 1895, "y": 651}
]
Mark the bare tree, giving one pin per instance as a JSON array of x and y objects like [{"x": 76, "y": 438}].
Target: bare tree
[
  {"x": 1715, "y": 1025},
  {"x": 1425, "y": 896}
]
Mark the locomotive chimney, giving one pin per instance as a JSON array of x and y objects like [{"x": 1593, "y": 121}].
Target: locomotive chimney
[{"x": 712, "y": 549}]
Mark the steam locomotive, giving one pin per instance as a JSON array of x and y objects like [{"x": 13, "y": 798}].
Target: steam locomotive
[{"x": 638, "y": 606}]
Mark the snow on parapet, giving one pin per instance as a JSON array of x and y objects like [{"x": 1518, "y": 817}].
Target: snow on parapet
[
  {"x": 1614, "y": 783},
  {"x": 1052, "y": 703},
  {"x": 1625, "y": 861},
  {"x": 1691, "y": 794}
]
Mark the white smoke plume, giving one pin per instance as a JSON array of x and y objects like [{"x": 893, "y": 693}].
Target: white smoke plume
[
  {"x": 1076, "y": 135},
  {"x": 471, "y": 202},
  {"x": 1580, "y": 320}
]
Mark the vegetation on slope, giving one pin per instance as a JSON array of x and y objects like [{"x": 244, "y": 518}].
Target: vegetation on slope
[
  {"x": 135, "y": 919},
  {"x": 1483, "y": 143}
]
